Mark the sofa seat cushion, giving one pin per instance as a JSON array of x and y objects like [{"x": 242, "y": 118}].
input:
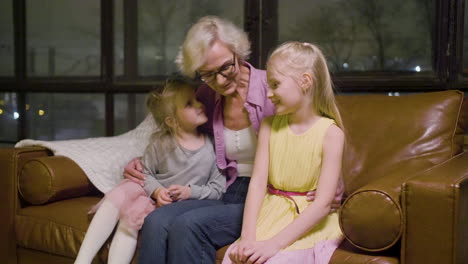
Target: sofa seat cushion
[
  {"x": 347, "y": 253},
  {"x": 220, "y": 254},
  {"x": 56, "y": 228}
]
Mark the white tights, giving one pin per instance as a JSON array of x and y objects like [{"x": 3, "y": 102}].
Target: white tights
[{"x": 123, "y": 244}]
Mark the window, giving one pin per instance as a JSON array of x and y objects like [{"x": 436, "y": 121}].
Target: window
[
  {"x": 76, "y": 69},
  {"x": 7, "y": 49},
  {"x": 159, "y": 28},
  {"x": 130, "y": 110},
  {"x": 58, "y": 116},
  {"x": 8, "y": 117},
  {"x": 62, "y": 42},
  {"x": 363, "y": 35}
]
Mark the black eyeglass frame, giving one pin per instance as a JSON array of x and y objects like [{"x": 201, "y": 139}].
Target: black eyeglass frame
[{"x": 210, "y": 76}]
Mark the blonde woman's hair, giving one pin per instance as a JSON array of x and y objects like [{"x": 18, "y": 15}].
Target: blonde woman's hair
[
  {"x": 161, "y": 105},
  {"x": 200, "y": 38},
  {"x": 302, "y": 57}
]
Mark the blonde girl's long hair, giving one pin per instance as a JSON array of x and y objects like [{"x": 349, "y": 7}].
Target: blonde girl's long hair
[
  {"x": 303, "y": 57},
  {"x": 161, "y": 105}
]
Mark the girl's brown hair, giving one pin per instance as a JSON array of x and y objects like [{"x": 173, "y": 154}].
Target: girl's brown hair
[{"x": 161, "y": 105}]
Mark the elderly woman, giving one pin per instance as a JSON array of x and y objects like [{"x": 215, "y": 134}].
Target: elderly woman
[{"x": 235, "y": 96}]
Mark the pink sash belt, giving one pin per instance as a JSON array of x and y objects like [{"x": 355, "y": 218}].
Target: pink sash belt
[{"x": 273, "y": 190}]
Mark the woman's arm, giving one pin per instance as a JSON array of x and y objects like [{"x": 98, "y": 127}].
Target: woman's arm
[
  {"x": 338, "y": 196},
  {"x": 255, "y": 194},
  {"x": 330, "y": 176},
  {"x": 133, "y": 171}
]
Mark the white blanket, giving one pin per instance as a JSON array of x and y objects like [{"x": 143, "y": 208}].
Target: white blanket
[{"x": 102, "y": 159}]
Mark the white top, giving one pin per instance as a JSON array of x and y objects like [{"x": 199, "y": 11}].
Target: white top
[{"x": 241, "y": 146}]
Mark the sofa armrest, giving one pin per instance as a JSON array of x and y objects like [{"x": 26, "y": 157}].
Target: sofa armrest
[
  {"x": 49, "y": 179},
  {"x": 435, "y": 203},
  {"x": 11, "y": 162},
  {"x": 371, "y": 218}
]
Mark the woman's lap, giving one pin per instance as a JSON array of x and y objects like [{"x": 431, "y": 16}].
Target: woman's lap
[
  {"x": 178, "y": 208},
  {"x": 214, "y": 218},
  {"x": 221, "y": 224},
  {"x": 182, "y": 231},
  {"x": 193, "y": 229},
  {"x": 197, "y": 234}
]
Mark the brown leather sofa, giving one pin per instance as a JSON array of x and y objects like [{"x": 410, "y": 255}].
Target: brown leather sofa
[{"x": 405, "y": 172}]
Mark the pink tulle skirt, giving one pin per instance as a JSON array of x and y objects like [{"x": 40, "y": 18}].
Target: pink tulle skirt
[
  {"x": 132, "y": 201},
  {"x": 320, "y": 254}
]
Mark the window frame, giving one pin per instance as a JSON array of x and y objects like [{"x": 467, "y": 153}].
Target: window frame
[{"x": 261, "y": 24}]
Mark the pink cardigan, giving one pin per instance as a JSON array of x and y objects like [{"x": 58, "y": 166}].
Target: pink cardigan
[{"x": 257, "y": 105}]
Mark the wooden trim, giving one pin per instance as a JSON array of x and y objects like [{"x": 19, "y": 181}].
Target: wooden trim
[
  {"x": 269, "y": 29},
  {"x": 19, "y": 22},
  {"x": 252, "y": 13},
  {"x": 130, "y": 18},
  {"x": 457, "y": 67},
  {"x": 107, "y": 62}
]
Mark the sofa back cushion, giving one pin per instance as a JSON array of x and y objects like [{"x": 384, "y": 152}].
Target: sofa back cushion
[{"x": 385, "y": 134}]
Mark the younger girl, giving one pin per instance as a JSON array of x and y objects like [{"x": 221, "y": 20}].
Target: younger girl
[
  {"x": 179, "y": 164},
  {"x": 299, "y": 149}
]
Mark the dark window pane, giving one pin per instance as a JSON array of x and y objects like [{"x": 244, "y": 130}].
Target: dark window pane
[
  {"x": 363, "y": 35},
  {"x": 57, "y": 116},
  {"x": 162, "y": 26},
  {"x": 130, "y": 110},
  {"x": 6, "y": 39},
  {"x": 8, "y": 117},
  {"x": 465, "y": 42},
  {"x": 63, "y": 37}
]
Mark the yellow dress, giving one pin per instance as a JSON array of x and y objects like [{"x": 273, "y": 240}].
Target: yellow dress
[{"x": 295, "y": 162}]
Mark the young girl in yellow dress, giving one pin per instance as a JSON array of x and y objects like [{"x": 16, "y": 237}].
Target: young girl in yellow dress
[{"x": 299, "y": 149}]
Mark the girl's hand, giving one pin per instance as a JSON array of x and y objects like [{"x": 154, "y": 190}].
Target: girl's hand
[
  {"x": 132, "y": 171},
  {"x": 338, "y": 195},
  {"x": 179, "y": 192},
  {"x": 237, "y": 253},
  {"x": 261, "y": 251},
  {"x": 162, "y": 196}
]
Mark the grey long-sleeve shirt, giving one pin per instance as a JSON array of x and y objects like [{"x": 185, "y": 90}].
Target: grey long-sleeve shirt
[{"x": 194, "y": 168}]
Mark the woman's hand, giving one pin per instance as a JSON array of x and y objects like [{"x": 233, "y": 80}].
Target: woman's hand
[
  {"x": 338, "y": 195},
  {"x": 261, "y": 251},
  {"x": 161, "y": 195},
  {"x": 237, "y": 253},
  {"x": 179, "y": 192},
  {"x": 133, "y": 171}
]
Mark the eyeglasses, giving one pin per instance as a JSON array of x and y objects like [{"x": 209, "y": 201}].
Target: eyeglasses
[{"x": 226, "y": 71}]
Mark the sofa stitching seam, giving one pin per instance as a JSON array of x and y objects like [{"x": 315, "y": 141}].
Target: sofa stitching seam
[{"x": 452, "y": 139}]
